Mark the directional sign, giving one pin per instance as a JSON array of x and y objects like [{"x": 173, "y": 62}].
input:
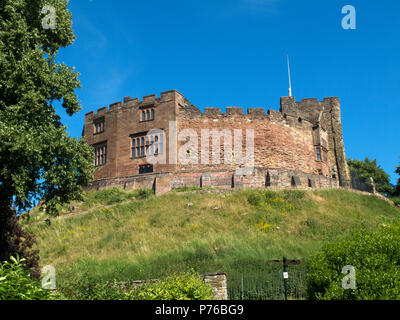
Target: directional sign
[{"x": 292, "y": 262}]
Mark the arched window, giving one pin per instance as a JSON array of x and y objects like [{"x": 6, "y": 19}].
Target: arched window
[
  {"x": 147, "y": 114},
  {"x": 143, "y": 115},
  {"x": 268, "y": 180},
  {"x": 152, "y": 114}
]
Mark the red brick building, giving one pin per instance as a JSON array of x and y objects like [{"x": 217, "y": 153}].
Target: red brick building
[{"x": 166, "y": 141}]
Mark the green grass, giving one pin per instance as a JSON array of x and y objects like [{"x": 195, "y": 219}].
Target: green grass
[{"x": 147, "y": 237}]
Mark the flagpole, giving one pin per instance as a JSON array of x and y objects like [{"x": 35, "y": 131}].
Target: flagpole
[{"x": 290, "y": 83}]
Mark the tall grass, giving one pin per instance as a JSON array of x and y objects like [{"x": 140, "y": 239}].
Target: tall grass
[{"x": 129, "y": 237}]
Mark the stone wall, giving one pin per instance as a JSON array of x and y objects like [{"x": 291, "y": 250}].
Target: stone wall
[
  {"x": 259, "y": 178},
  {"x": 285, "y": 144},
  {"x": 325, "y": 114},
  {"x": 278, "y": 141},
  {"x": 218, "y": 284},
  {"x": 121, "y": 120}
]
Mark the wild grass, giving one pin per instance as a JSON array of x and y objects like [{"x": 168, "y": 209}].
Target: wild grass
[{"x": 148, "y": 237}]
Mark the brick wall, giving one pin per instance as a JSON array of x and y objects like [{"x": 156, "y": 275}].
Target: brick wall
[{"x": 285, "y": 144}]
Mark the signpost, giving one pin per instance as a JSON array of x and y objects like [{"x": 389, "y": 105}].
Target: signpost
[{"x": 286, "y": 263}]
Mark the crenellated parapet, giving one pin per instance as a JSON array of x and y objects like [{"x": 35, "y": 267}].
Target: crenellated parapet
[
  {"x": 327, "y": 131},
  {"x": 191, "y": 112},
  {"x": 128, "y": 102},
  {"x": 303, "y": 135}
]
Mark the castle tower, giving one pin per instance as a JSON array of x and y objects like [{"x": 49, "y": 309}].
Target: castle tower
[{"x": 326, "y": 116}]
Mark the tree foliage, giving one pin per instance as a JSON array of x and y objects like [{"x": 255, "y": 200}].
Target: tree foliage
[
  {"x": 38, "y": 159},
  {"x": 397, "y": 188},
  {"x": 369, "y": 168},
  {"x": 15, "y": 241},
  {"x": 187, "y": 286},
  {"x": 15, "y": 283},
  {"x": 375, "y": 257}
]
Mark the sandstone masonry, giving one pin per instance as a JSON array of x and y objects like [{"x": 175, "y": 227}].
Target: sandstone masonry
[{"x": 299, "y": 146}]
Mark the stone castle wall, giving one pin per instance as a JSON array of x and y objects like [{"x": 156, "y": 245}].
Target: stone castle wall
[
  {"x": 285, "y": 144},
  {"x": 278, "y": 142}
]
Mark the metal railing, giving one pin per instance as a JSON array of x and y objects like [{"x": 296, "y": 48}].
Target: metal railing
[{"x": 267, "y": 286}]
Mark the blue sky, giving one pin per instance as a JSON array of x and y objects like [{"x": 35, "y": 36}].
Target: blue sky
[{"x": 233, "y": 53}]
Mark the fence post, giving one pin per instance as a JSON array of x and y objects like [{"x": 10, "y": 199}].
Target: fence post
[
  {"x": 285, "y": 276},
  {"x": 218, "y": 283},
  {"x": 242, "y": 286}
]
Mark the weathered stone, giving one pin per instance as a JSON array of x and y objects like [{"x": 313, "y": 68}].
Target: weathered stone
[
  {"x": 162, "y": 185},
  {"x": 303, "y": 139},
  {"x": 218, "y": 284}
]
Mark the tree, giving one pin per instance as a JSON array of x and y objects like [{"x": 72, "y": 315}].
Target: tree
[
  {"x": 38, "y": 159},
  {"x": 366, "y": 169},
  {"x": 397, "y": 188},
  {"x": 375, "y": 257}
]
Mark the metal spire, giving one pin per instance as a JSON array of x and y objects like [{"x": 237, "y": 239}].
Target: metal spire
[{"x": 290, "y": 83}]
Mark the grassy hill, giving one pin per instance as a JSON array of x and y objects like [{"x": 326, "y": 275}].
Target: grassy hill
[{"x": 122, "y": 235}]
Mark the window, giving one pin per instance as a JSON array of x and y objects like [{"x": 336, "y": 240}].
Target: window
[
  {"x": 100, "y": 155},
  {"x": 98, "y": 126},
  {"x": 144, "y": 145},
  {"x": 156, "y": 145},
  {"x": 133, "y": 148},
  {"x": 147, "y": 114},
  {"x": 318, "y": 149},
  {"x": 145, "y": 168}
]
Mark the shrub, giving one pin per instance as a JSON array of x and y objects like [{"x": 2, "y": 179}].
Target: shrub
[
  {"x": 87, "y": 288},
  {"x": 188, "y": 286},
  {"x": 16, "y": 283},
  {"x": 14, "y": 240},
  {"x": 144, "y": 193},
  {"x": 110, "y": 196},
  {"x": 293, "y": 195},
  {"x": 116, "y": 195},
  {"x": 375, "y": 257},
  {"x": 270, "y": 195},
  {"x": 254, "y": 198}
]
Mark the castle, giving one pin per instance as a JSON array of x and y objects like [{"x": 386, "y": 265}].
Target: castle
[{"x": 166, "y": 142}]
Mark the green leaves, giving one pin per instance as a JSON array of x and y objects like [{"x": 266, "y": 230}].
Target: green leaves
[
  {"x": 366, "y": 169},
  {"x": 375, "y": 257},
  {"x": 37, "y": 157},
  {"x": 16, "y": 284},
  {"x": 397, "y": 189},
  {"x": 187, "y": 286}
]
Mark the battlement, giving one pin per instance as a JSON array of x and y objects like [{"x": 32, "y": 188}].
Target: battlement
[
  {"x": 302, "y": 136},
  {"x": 309, "y": 108},
  {"x": 252, "y": 114},
  {"x": 151, "y": 99}
]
